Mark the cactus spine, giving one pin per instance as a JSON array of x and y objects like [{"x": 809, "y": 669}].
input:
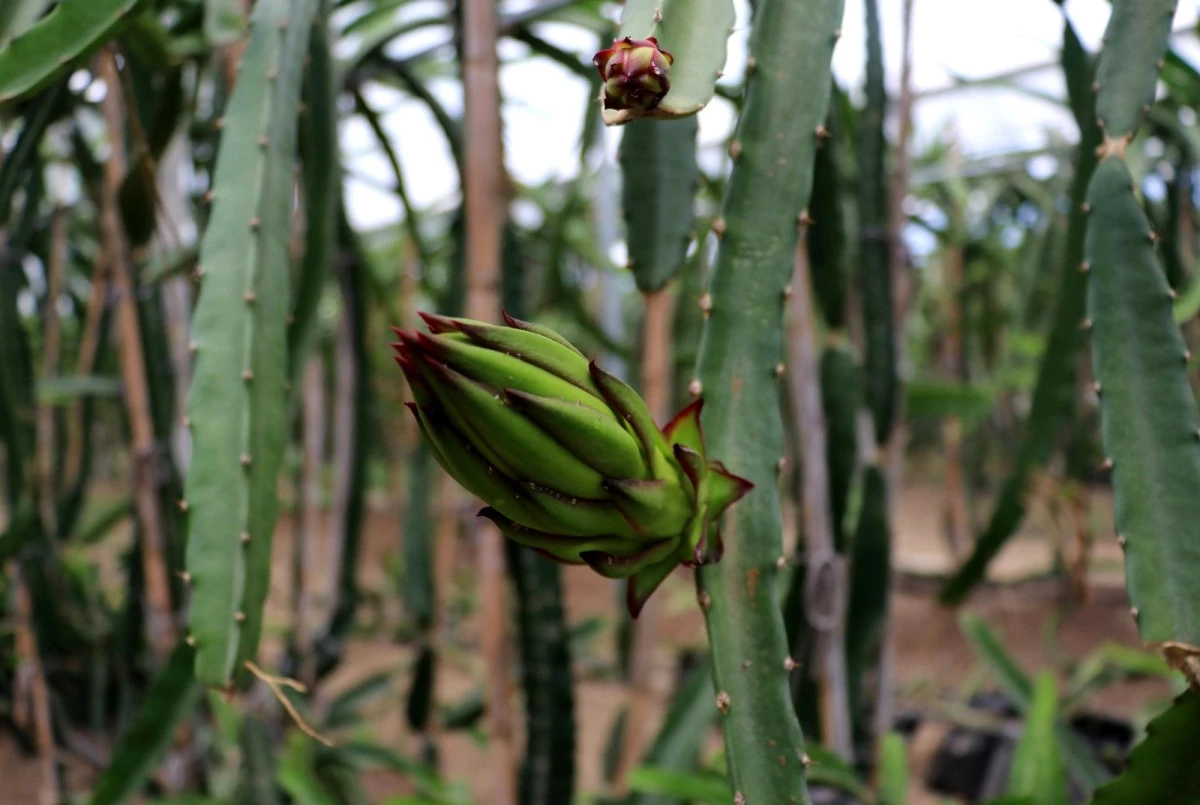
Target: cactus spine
[
  {"x": 1149, "y": 419},
  {"x": 237, "y": 402},
  {"x": 791, "y": 45}
]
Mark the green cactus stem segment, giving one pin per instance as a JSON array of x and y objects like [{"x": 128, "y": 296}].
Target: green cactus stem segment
[
  {"x": 237, "y": 403},
  {"x": 695, "y": 33},
  {"x": 1149, "y": 419},
  {"x": 566, "y": 456},
  {"x": 786, "y": 100}
]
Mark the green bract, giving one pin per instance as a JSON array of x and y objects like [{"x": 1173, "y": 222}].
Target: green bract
[{"x": 566, "y": 456}]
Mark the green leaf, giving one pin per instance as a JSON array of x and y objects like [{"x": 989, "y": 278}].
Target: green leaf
[
  {"x": 74, "y": 28},
  {"x": 826, "y": 768},
  {"x": 170, "y": 699},
  {"x": 1037, "y": 770},
  {"x": 224, "y": 22},
  {"x": 1164, "y": 769},
  {"x": 1085, "y": 770},
  {"x": 703, "y": 787},
  {"x": 63, "y": 390},
  {"x": 893, "y": 771},
  {"x": 18, "y": 16},
  {"x": 1055, "y": 391},
  {"x": 935, "y": 399}
]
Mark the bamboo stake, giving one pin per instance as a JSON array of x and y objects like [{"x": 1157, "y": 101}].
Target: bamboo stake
[
  {"x": 306, "y": 544},
  {"x": 47, "y": 436},
  {"x": 485, "y": 204},
  {"x": 160, "y": 628},
  {"x": 902, "y": 285},
  {"x": 825, "y": 587},
  {"x": 31, "y": 698},
  {"x": 957, "y": 525},
  {"x": 345, "y": 393}
]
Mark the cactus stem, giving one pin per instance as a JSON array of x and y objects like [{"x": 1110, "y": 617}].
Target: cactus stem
[
  {"x": 789, "y": 664},
  {"x": 694, "y": 388},
  {"x": 718, "y": 226},
  {"x": 723, "y": 703}
]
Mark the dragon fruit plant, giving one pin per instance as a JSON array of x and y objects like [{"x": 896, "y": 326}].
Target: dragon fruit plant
[{"x": 567, "y": 456}]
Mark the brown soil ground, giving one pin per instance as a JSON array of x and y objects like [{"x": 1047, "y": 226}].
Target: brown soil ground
[{"x": 1027, "y": 607}]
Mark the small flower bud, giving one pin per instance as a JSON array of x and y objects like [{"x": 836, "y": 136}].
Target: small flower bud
[{"x": 634, "y": 72}]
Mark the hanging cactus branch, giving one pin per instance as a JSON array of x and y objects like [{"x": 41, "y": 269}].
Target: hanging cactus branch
[
  {"x": 566, "y": 456},
  {"x": 666, "y": 59}
]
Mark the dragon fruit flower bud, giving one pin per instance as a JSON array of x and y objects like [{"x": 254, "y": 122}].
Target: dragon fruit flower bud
[
  {"x": 634, "y": 72},
  {"x": 566, "y": 456}
]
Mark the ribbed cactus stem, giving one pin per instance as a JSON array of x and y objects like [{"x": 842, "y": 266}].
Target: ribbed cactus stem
[
  {"x": 237, "y": 401},
  {"x": 787, "y": 95},
  {"x": 1149, "y": 419}
]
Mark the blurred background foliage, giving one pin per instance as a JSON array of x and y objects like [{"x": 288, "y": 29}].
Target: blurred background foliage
[{"x": 373, "y": 604}]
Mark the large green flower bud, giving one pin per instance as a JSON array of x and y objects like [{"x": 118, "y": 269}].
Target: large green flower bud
[{"x": 566, "y": 456}]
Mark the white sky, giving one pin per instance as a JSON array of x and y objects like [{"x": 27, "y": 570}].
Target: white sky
[{"x": 967, "y": 39}]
